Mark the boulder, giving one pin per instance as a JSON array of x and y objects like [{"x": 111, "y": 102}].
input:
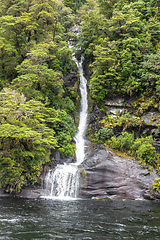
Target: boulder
[{"x": 114, "y": 177}]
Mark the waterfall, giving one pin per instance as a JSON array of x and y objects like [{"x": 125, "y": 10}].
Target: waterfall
[
  {"x": 79, "y": 138},
  {"x": 63, "y": 181}
]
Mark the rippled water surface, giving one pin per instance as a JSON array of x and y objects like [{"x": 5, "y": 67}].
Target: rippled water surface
[{"x": 79, "y": 219}]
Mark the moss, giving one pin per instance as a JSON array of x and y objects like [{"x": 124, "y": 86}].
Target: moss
[
  {"x": 84, "y": 173},
  {"x": 118, "y": 152}
]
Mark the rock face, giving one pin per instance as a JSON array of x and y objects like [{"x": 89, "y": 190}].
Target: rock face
[
  {"x": 70, "y": 79},
  {"x": 113, "y": 177},
  {"x": 119, "y": 105}
]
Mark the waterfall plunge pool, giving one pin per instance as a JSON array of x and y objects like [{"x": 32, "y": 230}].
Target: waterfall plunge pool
[{"x": 23, "y": 219}]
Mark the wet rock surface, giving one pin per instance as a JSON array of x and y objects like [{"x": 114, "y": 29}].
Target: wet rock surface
[
  {"x": 28, "y": 192},
  {"x": 152, "y": 118},
  {"x": 70, "y": 79},
  {"x": 114, "y": 177}
]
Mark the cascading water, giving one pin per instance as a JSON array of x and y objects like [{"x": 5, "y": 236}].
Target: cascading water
[
  {"x": 79, "y": 138},
  {"x": 63, "y": 181}
]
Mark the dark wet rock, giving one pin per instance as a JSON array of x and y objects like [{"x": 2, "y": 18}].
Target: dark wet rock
[
  {"x": 118, "y": 105},
  {"x": 94, "y": 118},
  {"x": 55, "y": 155},
  {"x": 151, "y": 118},
  {"x": 156, "y": 195},
  {"x": 117, "y": 102},
  {"x": 3, "y": 194},
  {"x": 56, "y": 158},
  {"x": 30, "y": 193},
  {"x": 70, "y": 79},
  {"x": 114, "y": 177}
]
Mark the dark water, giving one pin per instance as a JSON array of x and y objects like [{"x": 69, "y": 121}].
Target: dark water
[{"x": 80, "y": 219}]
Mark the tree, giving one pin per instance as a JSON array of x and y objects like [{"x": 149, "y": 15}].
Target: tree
[
  {"x": 116, "y": 48},
  {"x": 74, "y": 4},
  {"x": 34, "y": 116},
  {"x": 25, "y": 139},
  {"x": 104, "y": 78},
  {"x": 149, "y": 73},
  {"x": 36, "y": 79},
  {"x": 14, "y": 7},
  {"x": 28, "y": 130},
  {"x": 9, "y": 53},
  {"x": 27, "y": 23}
]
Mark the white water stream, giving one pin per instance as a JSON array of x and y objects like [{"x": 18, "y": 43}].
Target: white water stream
[{"x": 63, "y": 181}]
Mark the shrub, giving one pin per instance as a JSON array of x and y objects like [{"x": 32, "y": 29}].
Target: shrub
[
  {"x": 124, "y": 141},
  {"x": 114, "y": 143},
  {"x": 147, "y": 153},
  {"x": 141, "y": 148},
  {"x": 156, "y": 185},
  {"x": 124, "y": 121},
  {"x": 105, "y": 133}
]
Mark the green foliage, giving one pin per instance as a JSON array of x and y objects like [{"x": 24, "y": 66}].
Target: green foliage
[
  {"x": 106, "y": 7},
  {"x": 105, "y": 133},
  {"x": 74, "y": 4},
  {"x": 9, "y": 56},
  {"x": 141, "y": 148},
  {"x": 36, "y": 79},
  {"x": 24, "y": 24},
  {"x": 104, "y": 75},
  {"x": 156, "y": 185},
  {"x": 28, "y": 131},
  {"x": 143, "y": 104},
  {"x": 150, "y": 73},
  {"x": 90, "y": 33},
  {"x": 25, "y": 139},
  {"x": 120, "y": 41},
  {"x": 34, "y": 115},
  {"x": 60, "y": 57},
  {"x": 146, "y": 152},
  {"x": 67, "y": 104},
  {"x": 40, "y": 75},
  {"x": 124, "y": 141},
  {"x": 122, "y": 122},
  {"x": 65, "y": 131},
  {"x": 84, "y": 173}
]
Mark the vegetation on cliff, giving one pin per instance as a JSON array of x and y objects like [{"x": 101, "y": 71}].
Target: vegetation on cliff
[{"x": 121, "y": 44}]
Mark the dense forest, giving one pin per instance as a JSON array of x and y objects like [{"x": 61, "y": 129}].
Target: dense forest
[
  {"x": 38, "y": 112},
  {"x": 34, "y": 107}
]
